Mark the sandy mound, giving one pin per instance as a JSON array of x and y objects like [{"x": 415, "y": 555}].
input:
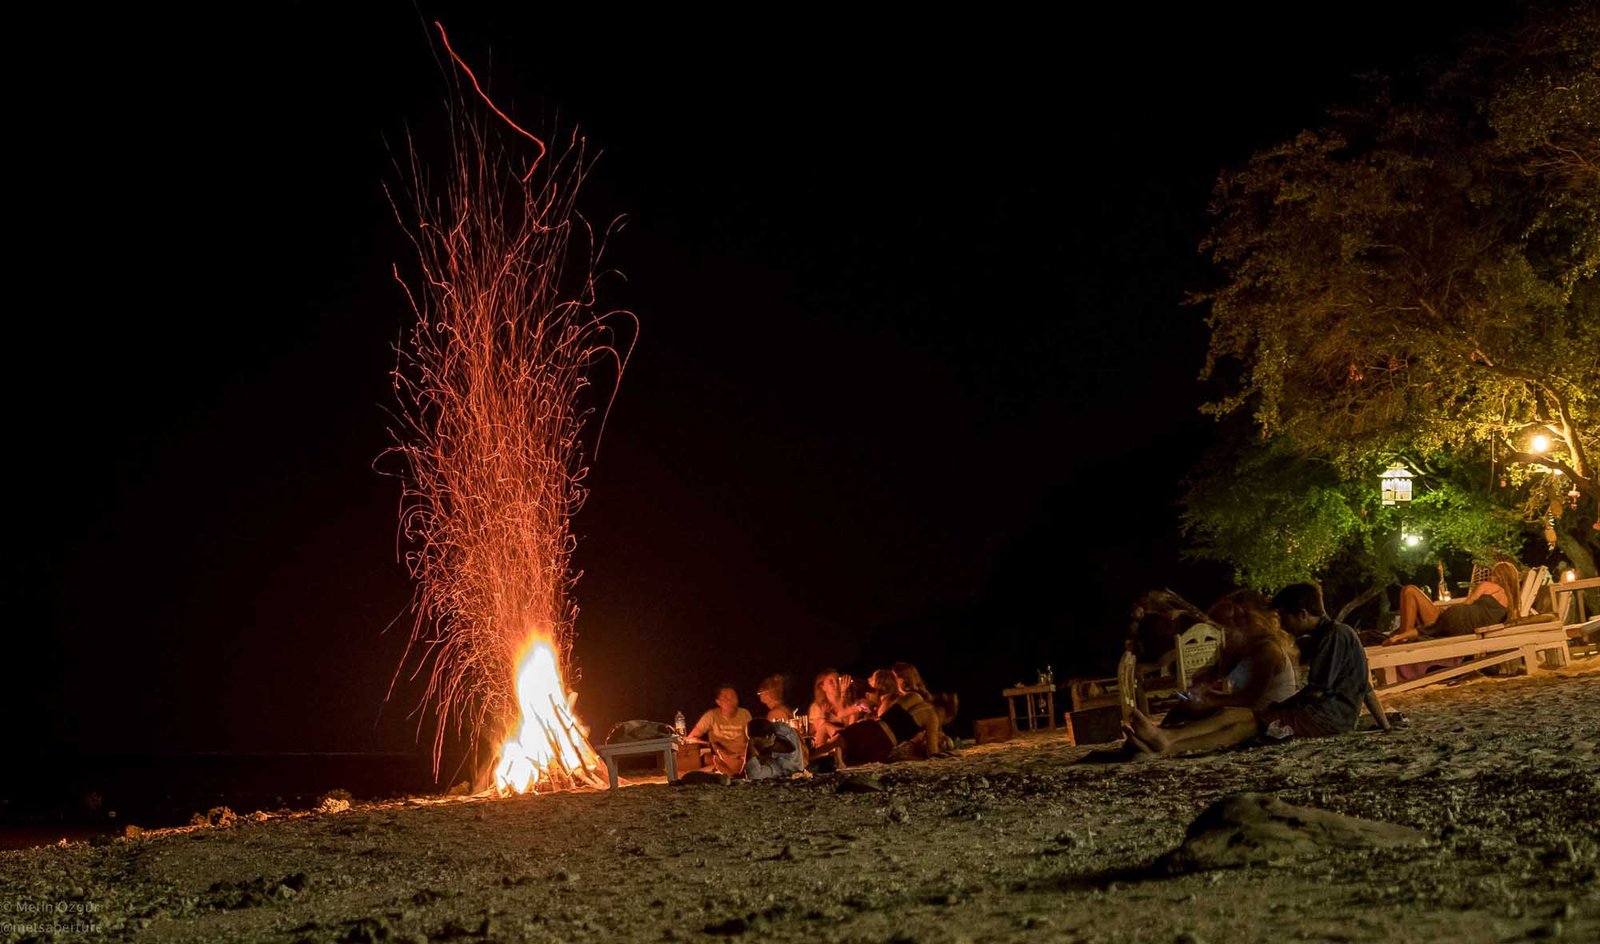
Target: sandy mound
[{"x": 1250, "y": 829}]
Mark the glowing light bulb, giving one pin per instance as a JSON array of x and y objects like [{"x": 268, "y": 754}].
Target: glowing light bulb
[
  {"x": 1541, "y": 443},
  {"x": 1570, "y": 575},
  {"x": 1412, "y": 540}
]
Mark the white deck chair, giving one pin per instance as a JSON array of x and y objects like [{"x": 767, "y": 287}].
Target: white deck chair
[{"x": 1198, "y": 647}]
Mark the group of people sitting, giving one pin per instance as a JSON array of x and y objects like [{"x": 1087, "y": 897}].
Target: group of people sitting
[
  {"x": 890, "y": 716},
  {"x": 1254, "y": 688}
]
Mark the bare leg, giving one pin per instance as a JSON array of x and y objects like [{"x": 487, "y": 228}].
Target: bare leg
[
  {"x": 1416, "y": 613},
  {"x": 1228, "y": 727},
  {"x": 1144, "y": 733},
  {"x": 928, "y": 719}
]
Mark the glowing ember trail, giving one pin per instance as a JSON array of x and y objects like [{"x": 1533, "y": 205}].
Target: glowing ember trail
[{"x": 492, "y": 385}]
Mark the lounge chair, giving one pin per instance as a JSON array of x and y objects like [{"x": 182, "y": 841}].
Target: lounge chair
[{"x": 1523, "y": 637}]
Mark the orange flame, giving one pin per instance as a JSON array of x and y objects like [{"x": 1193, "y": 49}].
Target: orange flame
[{"x": 549, "y": 745}]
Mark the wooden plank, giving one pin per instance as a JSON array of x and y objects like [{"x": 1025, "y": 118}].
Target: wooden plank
[
  {"x": 1587, "y": 583},
  {"x": 1573, "y": 595},
  {"x": 1530, "y": 659},
  {"x": 1503, "y": 630},
  {"x": 1443, "y": 674},
  {"x": 1487, "y": 640},
  {"x": 1413, "y": 652}
]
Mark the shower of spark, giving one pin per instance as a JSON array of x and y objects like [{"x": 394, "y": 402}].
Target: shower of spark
[{"x": 492, "y": 382}]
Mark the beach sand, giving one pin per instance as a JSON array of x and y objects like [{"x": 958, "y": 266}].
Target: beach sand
[{"x": 1011, "y": 841}]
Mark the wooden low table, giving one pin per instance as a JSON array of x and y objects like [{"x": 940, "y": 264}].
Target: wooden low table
[
  {"x": 1028, "y": 692},
  {"x": 666, "y": 747}
]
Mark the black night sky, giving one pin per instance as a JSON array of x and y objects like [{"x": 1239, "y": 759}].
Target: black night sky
[{"x": 914, "y": 378}]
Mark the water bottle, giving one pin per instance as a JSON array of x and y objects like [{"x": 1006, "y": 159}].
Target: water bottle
[{"x": 679, "y": 725}]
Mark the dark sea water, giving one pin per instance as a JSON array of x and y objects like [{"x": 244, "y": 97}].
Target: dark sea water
[{"x": 44, "y": 799}]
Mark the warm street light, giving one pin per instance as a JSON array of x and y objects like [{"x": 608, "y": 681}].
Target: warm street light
[
  {"x": 1540, "y": 444},
  {"x": 1413, "y": 540}
]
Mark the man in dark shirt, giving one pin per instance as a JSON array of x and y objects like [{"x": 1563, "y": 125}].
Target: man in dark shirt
[
  {"x": 1337, "y": 684},
  {"x": 1337, "y": 680}
]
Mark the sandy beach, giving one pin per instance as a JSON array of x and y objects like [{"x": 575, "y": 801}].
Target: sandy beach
[{"x": 1499, "y": 777}]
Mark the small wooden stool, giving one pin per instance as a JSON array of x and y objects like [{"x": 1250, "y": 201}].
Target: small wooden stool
[{"x": 666, "y": 747}]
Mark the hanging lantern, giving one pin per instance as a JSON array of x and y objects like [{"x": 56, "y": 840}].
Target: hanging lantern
[{"x": 1395, "y": 485}]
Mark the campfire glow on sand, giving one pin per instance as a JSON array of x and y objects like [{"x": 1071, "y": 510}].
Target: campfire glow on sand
[{"x": 491, "y": 384}]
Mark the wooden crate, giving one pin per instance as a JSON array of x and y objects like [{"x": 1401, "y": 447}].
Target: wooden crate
[
  {"x": 988, "y": 730},
  {"x": 689, "y": 758},
  {"x": 1096, "y": 725}
]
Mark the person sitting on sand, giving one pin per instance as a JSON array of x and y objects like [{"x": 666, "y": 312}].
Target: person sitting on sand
[
  {"x": 856, "y": 695},
  {"x": 775, "y": 752},
  {"x": 823, "y": 715},
  {"x": 829, "y": 712},
  {"x": 1337, "y": 685},
  {"x": 724, "y": 727},
  {"x": 1256, "y": 666},
  {"x": 771, "y": 695},
  {"x": 882, "y": 690},
  {"x": 1487, "y": 605},
  {"x": 909, "y": 719},
  {"x": 909, "y": 681}
]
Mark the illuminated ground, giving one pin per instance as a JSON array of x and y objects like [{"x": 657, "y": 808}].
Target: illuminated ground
[{"x": 1009, "y": 842}]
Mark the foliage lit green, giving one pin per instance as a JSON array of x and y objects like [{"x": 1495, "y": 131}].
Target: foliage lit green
[{"x": 1414, "y": 278}]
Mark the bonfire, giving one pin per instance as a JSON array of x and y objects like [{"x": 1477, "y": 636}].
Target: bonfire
[{"x": 493, "y": 382}]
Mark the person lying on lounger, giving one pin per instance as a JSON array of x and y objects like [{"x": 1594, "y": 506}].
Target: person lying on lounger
[
  {"x": 1337, "y": 685},
  {"x": 1488, "y": 604}
]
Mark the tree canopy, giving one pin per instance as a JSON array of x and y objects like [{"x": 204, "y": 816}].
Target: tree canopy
[{"x": 1415, "y": 280}]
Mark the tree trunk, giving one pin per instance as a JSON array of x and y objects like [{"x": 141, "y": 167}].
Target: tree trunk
[{"x": 1363, "y": 600}]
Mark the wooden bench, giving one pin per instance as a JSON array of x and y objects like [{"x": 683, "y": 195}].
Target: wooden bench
[{"x": 1490, "y": 645}]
